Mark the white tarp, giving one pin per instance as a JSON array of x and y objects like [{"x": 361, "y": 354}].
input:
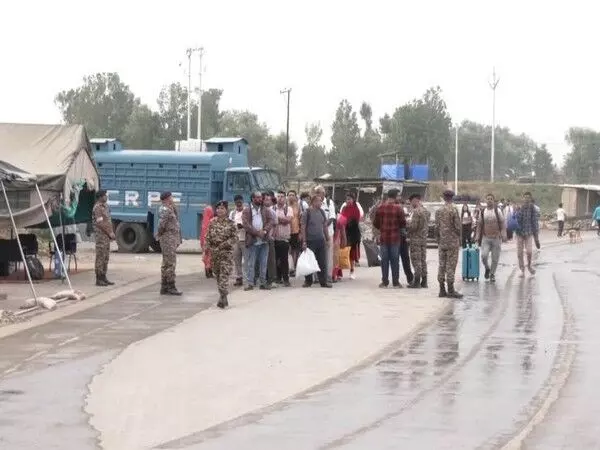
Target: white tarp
[{"x": 59, "y": 156}]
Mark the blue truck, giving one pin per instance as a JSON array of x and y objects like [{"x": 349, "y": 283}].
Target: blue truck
[{"x": 134, "y": 180}]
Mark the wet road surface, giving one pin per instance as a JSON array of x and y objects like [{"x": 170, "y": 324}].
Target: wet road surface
[
  {"x": 44, "y": 371},
  {"x": 472, "y": 380}
]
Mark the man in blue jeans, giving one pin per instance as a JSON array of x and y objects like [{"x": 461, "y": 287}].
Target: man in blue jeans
[
  {"x": 391, "y": 223},
  {"x": 257, "y": 222}
]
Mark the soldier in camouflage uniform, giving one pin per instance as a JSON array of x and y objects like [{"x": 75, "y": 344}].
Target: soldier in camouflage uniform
[
  {"x": 104, "y": 234},
  {"x": 221, "y": 238},
  {"x": 447, "y": 231},
  {"x": 169, "y": 236},
  {"x": 418, "y": 228}
]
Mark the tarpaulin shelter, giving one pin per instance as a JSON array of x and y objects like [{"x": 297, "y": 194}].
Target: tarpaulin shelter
[
  {"x": 14, "y": 178},
  {"x": 61, "y": 159}
]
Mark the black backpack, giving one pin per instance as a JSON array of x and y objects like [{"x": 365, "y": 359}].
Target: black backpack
[{"x": 36, "y": 269}]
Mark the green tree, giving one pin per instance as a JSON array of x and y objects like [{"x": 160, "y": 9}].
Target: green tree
[
  {"x": 143, "y": 131},
  {"x": 543, "y": 165},
  {"x": 246, "y": 124},
  {"x": 366, "y": 161},
  {"x": 313, "y": 159},
  {"x": 421, "y": 130},
  {"x": 103, "y": 104},
  {"x": 582, "y": 163},
  {"x": 211, "y": 114},
  {"x": 279, "y": 144},
  {"x": 172, "y": 109},
  {"x": 345, "y": 138}
]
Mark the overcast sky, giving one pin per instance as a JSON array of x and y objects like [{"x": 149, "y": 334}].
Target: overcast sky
[{"x": 384, "y": 52}]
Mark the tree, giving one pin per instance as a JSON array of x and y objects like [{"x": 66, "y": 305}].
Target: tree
[
  {"x": 103, "y": 104},
  {"x": 211, "y": 114},
  {"x": 543, "y": 165},
  {"x": 246, "y": 124},
  {"x": 582, "y": 163},
  {"x": 280, "y": 146},
  {"x": 421, "y": 130},
  {"x": 345, "y": 138},
  {"x": 313, "y": 159},
  {"x": 366, "y": 160},
  {"x": 143, "y": 130},
  {"x": 172, "y": 109}
]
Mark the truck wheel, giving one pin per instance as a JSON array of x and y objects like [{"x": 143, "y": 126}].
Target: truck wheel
[
  {"x": 155, "y": 245},
  {"x": 132, "y": 237}
]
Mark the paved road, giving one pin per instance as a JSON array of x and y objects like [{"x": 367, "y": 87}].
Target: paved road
[
  {"x": 44, "y": 372},
  {"x": 473, "y": 379}
]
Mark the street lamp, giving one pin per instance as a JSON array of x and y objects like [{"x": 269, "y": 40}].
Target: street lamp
[{"x": 287, "y": 131}]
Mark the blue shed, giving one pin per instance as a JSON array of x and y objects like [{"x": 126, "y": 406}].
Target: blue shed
[
  {"x": 106, "y": 145},
  {"x": 227, "y": 145}
]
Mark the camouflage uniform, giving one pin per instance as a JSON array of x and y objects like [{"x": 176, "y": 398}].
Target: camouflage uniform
[
  {"x": 418, "y": 228},
  {"x": 169, "y": 235},
  {"x": 102, "y": 229},
  {"x": 448, "y": 231},
  {"x": 221, "y": 238}
]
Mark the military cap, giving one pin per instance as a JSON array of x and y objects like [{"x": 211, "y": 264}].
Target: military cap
[
  {"x": 448, "y": 193},
  {"x": 165, "y": 195},
  {"x": 100, "y": 193}
]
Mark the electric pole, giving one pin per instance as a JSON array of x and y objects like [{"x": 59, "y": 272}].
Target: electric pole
[
  {"x": 200, "y": 55},
  {"x": 287, "y": 131},
  {"x": 456, "y": 162},
  {"x": 493, "y": 84},
  {"x": 188, "y": 52}
]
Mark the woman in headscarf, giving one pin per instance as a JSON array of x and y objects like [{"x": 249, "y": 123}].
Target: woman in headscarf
[
  {"x": 207, "y": 216},
  {"x": 352, "y": 213},
  {"x": 221, "y": 238}
]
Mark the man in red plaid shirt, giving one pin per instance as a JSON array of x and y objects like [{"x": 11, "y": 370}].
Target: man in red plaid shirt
[{"x": 391, "y": 222}]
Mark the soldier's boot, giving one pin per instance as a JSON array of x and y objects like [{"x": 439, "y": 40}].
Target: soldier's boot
[
  {"x": 452, "y": 293},
  {"x": 106, "y": 280},
  {"x": 164, "y": 287},
  {"x": 172, "y": 290},
  {"x": 443, "y": 292},
  {"x": 424, "y": 282},
  {"x": 100, "y": 281},
  {"x": 238, "y": 282},
  {"x": 223, "y": 302},
  {"x": 416, "y": 282}
]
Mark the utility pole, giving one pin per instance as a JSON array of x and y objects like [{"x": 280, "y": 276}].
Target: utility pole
[
  {"x": 456, "y": 161},
  {"x": 188, "y": 52},
  {"x": 200, "y": 55},
  {"x": 287, "y": 131},
  {"x": 493, "y": 84}
]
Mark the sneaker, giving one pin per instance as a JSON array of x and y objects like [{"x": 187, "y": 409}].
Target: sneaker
[
  {"x": 383, "y": 285},
  {"x": 397, "y": 286},
  {"x": 492, "y": 278},
  {"x": 265, "y": 287},
  {"x": 327, "y": 285},
  {"x": 249, "y": 288},
  {"x": 487, "y": 274},
  {"x": 352, "y": 277}
]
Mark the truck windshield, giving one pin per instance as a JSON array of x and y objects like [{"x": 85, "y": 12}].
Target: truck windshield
[{"x": 266, "y": 179}]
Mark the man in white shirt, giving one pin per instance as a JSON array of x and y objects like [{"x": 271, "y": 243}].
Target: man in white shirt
[
  {"x": 561, "y": 215},
  {"x": 239, "y": 251}
]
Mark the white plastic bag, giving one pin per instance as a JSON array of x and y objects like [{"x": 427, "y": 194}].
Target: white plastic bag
[{"x": 307, "y": 264}]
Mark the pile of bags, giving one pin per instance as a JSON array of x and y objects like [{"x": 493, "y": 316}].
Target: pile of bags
[{"x": 51, "y": 302}]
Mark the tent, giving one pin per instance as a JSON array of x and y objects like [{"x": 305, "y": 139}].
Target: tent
[
  {"x": 18, "y": 180},
  {"x": 60, "y": 158}
]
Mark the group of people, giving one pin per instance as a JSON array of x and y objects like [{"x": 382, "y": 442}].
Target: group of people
[{"x": 258, "y": 240}]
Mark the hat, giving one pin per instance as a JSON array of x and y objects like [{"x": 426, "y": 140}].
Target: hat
[
  {"x": 100, "y": 193},
  {"x": 222, "y": 203},
  {"x": 448, "y": 193},
  {"x": 165, "y": 195}
]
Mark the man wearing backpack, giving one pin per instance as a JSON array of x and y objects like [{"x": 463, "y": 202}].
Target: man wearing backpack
[{"x": 490, "y": 233}]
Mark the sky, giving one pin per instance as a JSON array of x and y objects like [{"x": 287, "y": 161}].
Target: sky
[{"x": 382, "y": 52}]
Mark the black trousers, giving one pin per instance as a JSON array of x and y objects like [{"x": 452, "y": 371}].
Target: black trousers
[
  {"x": 467, "y": 229},
  {"x": 320, "y": 251},
  {"x": 405, "y": 258},
  {"x": 282, "y": 252},
  {"x": 561, "y": 227}
]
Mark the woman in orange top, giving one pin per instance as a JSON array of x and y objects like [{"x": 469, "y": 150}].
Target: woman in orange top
[
  {"x": 339, "y": 242},
  {"x": 206, "y": 256}
]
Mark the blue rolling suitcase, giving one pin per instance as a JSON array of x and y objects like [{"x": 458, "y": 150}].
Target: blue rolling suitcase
[{"x": 470, "y": 264}]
